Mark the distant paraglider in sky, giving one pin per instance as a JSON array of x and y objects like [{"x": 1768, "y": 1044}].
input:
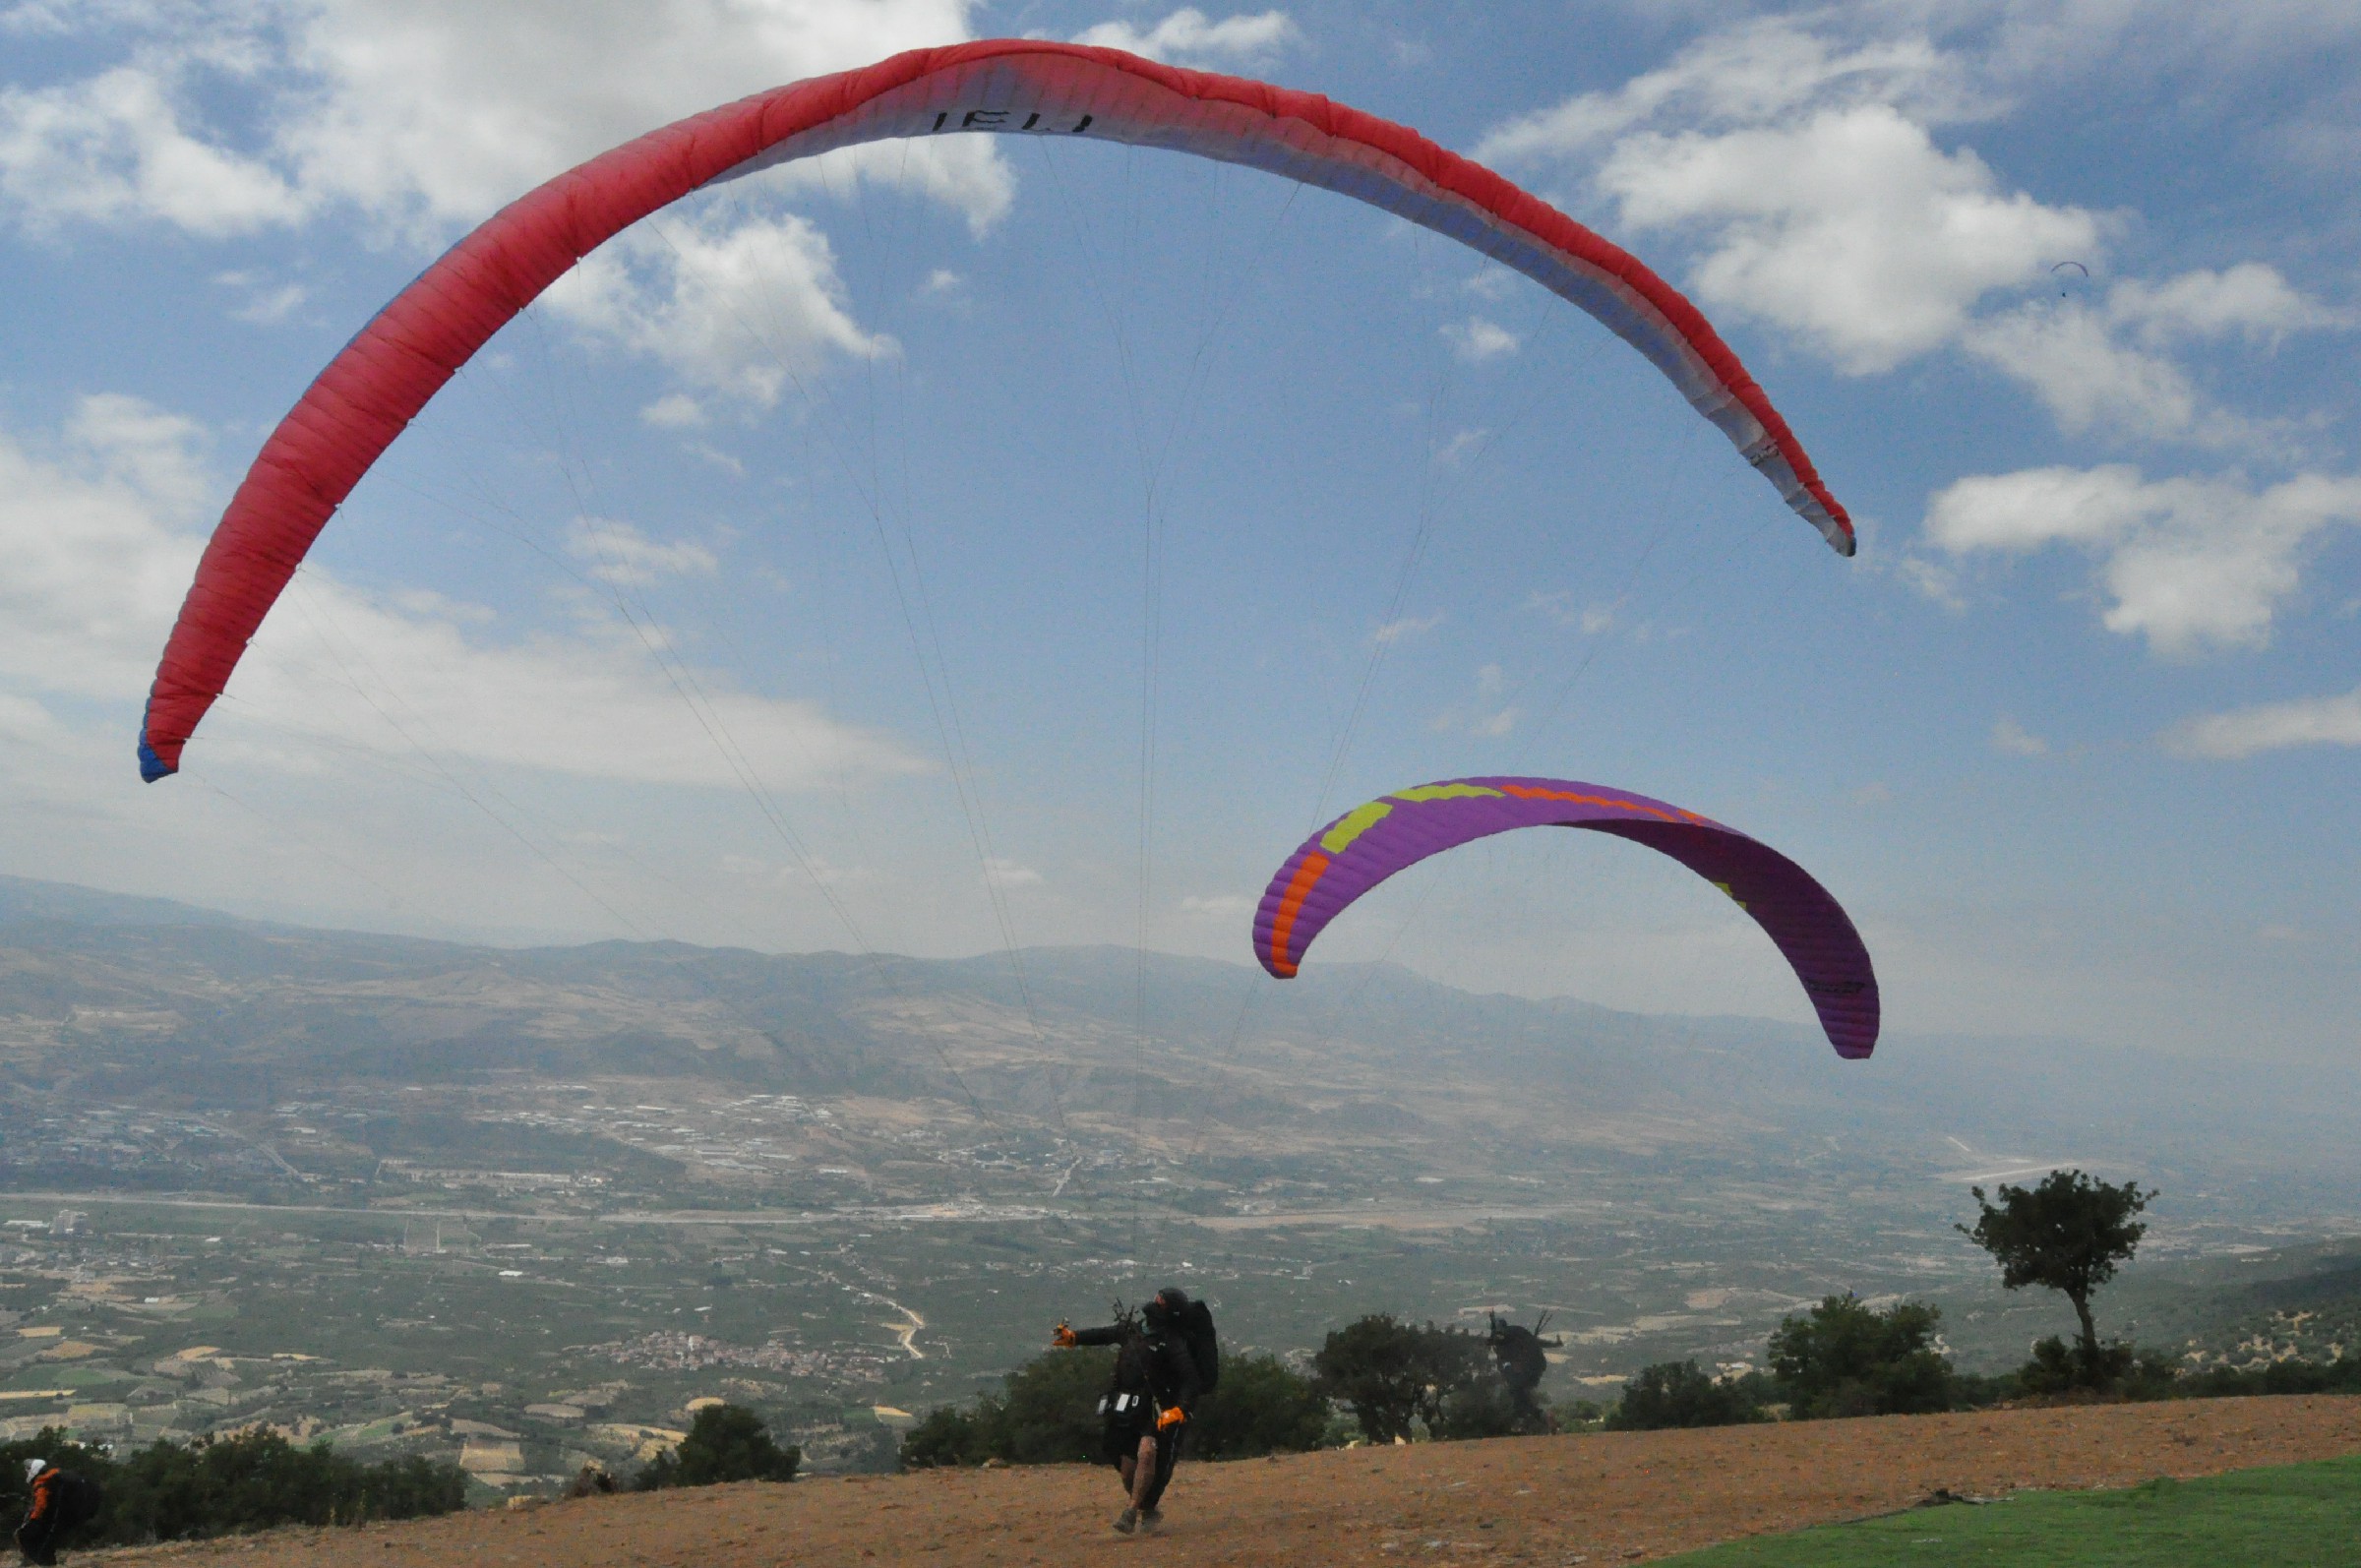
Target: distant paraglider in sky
[
  {"x": 2065, "y": 274},
  {"x": 1370, "y": 843},
  {"x": 395, "y": 365}
]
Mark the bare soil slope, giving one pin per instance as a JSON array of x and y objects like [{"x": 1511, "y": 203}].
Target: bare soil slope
[{"x": 1609, "y": 1498}]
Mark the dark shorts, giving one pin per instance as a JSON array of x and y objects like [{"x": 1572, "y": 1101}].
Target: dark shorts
[{"x": 1124, "y": 1425}]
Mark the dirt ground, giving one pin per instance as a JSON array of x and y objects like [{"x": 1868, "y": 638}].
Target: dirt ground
[{"x": 1605, "y": 1499}]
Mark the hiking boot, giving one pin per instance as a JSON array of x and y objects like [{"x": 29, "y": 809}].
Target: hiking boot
[
  {"x": 1151, "y": 1521},
  {"x": 1126, "y": 1522}
]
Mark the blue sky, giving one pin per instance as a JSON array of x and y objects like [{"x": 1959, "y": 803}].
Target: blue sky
[{"x": 977, "y": 543}]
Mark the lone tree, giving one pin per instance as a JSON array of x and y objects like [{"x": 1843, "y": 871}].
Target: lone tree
[{"x": 2066, "y": 1234}]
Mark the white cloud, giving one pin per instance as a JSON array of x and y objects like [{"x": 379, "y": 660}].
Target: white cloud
[
  {"x": 1491, "y": 726},
  {"x": 1453, "y": 451},
  {"x": 2088, "y": 379},
  {"x": 2053, "y": 39},
  {"x": 1003, "y": 872},
  {"x": 1746, "y": 74},
  {"x": 102, "y": 535},
  {"x": 2104, "y": 367},
  {"x": 2189, "y": 564},
  {"x": 1477, "y": 340},
  {"x": 1593, "y": 619},
  {"x": 424, "y": 115},
  {"x": 342, "y": 667},
  {"x": 737, "y": 311},
  {"x": 1803, "y": 166},
  {"x": 1190, "y": 38},
  {"x": 99, "y": 545},
  {"x": 674, "y": 411},
  {"x": 267, "y": 304},
  {"x": 1851, "y": 228},
  {"x": 158, "y": 455},
  {"x": 1409, "y": 625},
  {"x": 1932, "y": 579},
  {"x": 36, "y": 19},
  {"x": 2270, "y": 727},
  {"x": 1487, "y": 717},
  {"x": 113, "y": 147},
  {"x": 620, "y": 554},
  {"x": 431, "y": 113},
  {"x": 448, "y": 108},
  {"x": 2036, "y": 508},
  {"x": 2250, "y": 299},
  {"x": 2015, "y": 739}
]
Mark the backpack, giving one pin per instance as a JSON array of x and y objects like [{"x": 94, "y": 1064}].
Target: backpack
[
  {"x": 79, "y": 1502},
  {"x": 1195, "y": 1329}
]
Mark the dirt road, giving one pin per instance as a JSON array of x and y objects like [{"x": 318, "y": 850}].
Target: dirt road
[{"x": 1607, "y": 1498}]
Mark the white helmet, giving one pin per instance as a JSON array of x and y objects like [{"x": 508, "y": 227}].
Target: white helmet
[{"x": 34, "y": 1467}]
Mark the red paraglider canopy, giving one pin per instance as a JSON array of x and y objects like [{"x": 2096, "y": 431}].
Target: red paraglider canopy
[{"x": 389, "y": 372}]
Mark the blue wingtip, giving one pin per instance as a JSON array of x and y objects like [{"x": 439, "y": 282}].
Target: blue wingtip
[{"x": 152, "y": 766}]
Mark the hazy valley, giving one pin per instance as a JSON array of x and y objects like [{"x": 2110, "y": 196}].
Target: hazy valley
[{"x": 523, "y": 1206}]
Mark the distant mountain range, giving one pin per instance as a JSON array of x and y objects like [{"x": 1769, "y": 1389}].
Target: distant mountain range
[{"x": 110, "y": 995}]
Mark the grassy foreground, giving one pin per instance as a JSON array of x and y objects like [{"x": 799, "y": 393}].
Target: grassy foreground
[{"x": 2303, "y": 1516}]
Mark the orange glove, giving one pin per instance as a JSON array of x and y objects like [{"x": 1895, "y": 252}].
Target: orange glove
[
  {"x": 1064, "y": 1339},
  {"x": 1171, "y": 1417}
]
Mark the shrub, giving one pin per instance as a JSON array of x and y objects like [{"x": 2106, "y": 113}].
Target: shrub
[
  {"x": 1046, "y": 1412},
  {"x": 1982, "y": 1390},
  {"x": 946, "y": 1435},
  {"x": 1846, "y": 1359},
  {"x": 725, "y": 1443},
  {"x": 1481, "y": 1407},
  {"x": 1262, "y": 1406},
  {"x": 1050, "y": 1411},
  {"x": 2058, "y": 1368},
  {"x": 2294, "y": 1377},
  {"x": 250, "y": 1481},
  {"x": 1394, "y": 1375},
  {"x": 1681, "y": 1394}
]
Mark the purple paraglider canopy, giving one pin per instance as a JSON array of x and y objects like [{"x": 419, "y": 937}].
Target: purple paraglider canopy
[{"x": 1370, "y": 843}]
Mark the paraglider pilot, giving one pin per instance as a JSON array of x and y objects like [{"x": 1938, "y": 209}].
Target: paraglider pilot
[
  {"x": 1146, "y": 1409},
  {"x": 62, "y": 1501},
  {"x": 1521, "y": 1354}
]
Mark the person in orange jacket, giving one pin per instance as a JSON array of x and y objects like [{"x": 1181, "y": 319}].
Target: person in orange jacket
[
  {"x": 61, "y": 1501},
  {"x": 1146, "y": 1410}
]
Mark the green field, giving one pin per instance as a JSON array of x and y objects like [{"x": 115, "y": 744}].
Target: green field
[{"x": 2300, "y": 1516}]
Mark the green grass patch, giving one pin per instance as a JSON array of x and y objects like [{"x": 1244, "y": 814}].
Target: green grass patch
[
  {"x": 2300, "y": 1516},
  {"x": 53, "y": 1375}
]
